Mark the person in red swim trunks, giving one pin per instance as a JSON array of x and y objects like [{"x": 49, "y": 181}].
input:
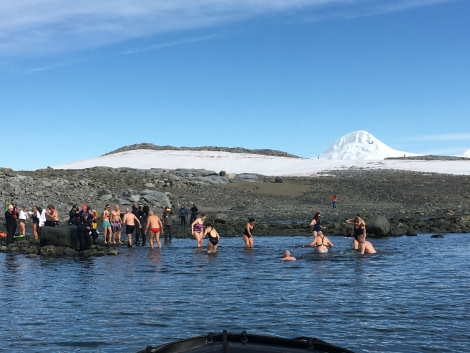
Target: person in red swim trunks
[{"x": 155, "y": 224}]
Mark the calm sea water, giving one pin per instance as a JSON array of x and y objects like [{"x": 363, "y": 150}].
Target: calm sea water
[{"x": 412, "y": 296}]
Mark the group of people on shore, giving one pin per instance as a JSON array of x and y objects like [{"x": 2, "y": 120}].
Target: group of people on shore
[
  {"x": 142, "y": 221},
  {"x": 16, "y": 217}
]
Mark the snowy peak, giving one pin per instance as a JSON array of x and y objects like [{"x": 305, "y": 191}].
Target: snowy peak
[
  {"x": 465, "y": 154},
  {"x": 360, "y": 145}
]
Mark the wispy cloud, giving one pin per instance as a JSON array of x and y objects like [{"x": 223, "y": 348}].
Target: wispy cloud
[
  {"x": 168, "y": 44},
  {"x": 39, "y": 27}
]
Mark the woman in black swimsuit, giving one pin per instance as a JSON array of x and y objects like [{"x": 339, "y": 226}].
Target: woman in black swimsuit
[
  {"x": 359, "y": 228},
  {"x": 213, "y": 237},
  {"x": 248, "y": 233}
]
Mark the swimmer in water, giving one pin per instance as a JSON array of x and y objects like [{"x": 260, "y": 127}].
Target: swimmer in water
[
  {"x": 322, "y": 243},
  {"x": 287, "y": 256},
  {"x": 365, "y": 247}
]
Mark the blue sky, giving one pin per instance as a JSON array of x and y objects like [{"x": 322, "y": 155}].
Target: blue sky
[{"x": 80, "y": 79}]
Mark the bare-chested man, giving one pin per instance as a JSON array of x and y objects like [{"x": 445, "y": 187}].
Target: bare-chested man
[
  {"x": 107, "y": 232},
  {"x": 129, "y": 220},
  {"x": 116, "y": 225},
  {"x": 365, "y": 247},
  {"x": 52, "y": 216},
  {"x": 155, "y": 224}
]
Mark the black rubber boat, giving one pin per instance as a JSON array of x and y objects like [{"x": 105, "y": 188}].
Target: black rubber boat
[{"x": 243, "y": 342}]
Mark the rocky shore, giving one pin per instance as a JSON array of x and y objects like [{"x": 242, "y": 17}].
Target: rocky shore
[{"x": 412, "y": 202}]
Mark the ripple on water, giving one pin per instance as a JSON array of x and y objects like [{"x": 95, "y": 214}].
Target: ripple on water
[{"x": 410, "y": 296}]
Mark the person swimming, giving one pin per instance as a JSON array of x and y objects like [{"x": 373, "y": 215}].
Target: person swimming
[{"x": 287, "y": 256}]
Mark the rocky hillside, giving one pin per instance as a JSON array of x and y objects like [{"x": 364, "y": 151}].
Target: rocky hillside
[
  {"x": 414, "y": 202},
  {"x": 150, "y": 146}
]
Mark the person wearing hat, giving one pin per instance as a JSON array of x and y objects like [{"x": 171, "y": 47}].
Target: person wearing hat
[
  {"x": 10, "y": 221},
  {"x": 167, "y": 223}
]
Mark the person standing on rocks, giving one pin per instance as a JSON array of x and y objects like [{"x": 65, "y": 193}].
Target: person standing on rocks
[
  {"x": 155, "y": 225},
  {"x": 22, "y": 217},
  {"x": 167, "y": 223},
  {"x": 10, "y": 221},
  {"x": 129, "y": 220},
  {"x": 334, "y": 200},
  {"x": 248, "y": 233},
  {"x": 35, "y": 220},
  {"x": 73, "y": 215},
  {"x": 106, "y": 219},
  {"x": 146, "y": 210},
  {"x": 183, "y": 214},
  {"x": 42, "y": 218},
  {"x": 84, "y": 228},
  {"x": 359, "y": 228},
  {"x": 94, "y": 226},
  {"x": 194, "y": 211},
  {"x": 139, "y": 232},
  {"x": 116, "y": 225},
  {"x": 52, "y": 216},
  {"x": 197, "y": 229}
]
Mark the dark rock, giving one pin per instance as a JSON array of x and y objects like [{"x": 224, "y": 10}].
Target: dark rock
[
  {"x": 437, "y": 236},
  {"x": 66, "y": 236},
  {"x": 378, "y": 225}
]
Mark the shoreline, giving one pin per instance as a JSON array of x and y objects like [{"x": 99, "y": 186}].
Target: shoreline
[{"x": 412, "y": 202}]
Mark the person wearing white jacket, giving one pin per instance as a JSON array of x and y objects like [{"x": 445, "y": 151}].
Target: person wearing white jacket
[{"x": 22, "y": 217}]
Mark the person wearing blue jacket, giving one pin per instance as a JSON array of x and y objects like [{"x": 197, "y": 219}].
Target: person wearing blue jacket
[{"x": 183, "y": 214}]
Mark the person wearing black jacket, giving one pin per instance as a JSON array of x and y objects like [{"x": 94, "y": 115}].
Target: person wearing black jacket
[
  {"x": 139, "y": 232},
  {"x": 84, "y": 228},
  {"x": 74, "y": 215},
  {"x": 11, "y": 215},
  {"x": 194, "y": 211}
]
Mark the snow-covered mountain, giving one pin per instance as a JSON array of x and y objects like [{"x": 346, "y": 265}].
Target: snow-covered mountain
[
  {"x": 355, "y": 150},
  {"x": 360, "y": 145},
  {"x": 465, "y": 154}
]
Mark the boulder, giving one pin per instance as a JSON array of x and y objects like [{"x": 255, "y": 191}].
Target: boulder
[
  {"x": 215, "y": 179},
  {"x": 247, "y": 177},
  {"x": 60, "y": 236},
  {"x": 378, "y": 225},
  {"x": 399, "y": 229},
  {"x": 155, "y": 197},
  {"x": 220, "y": 218}
]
